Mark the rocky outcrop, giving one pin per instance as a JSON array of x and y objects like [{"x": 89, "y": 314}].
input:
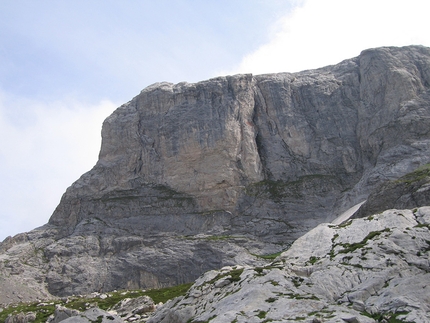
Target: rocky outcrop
[
  {"x": 252, "y": 147},
  {"x": 63, "y": 313},
  {"x": 91, "y": 315},
  {"x": 21, "y": 318},
  {"x": 118, "y": 306},
  {"x": 366, "y": 270},
  {"x": 80, "y": 264},
  {"x": 373, "y": 269},
  {"x": 134, "y": 309},
  {"x": 193, "y": 177},
  {"x": 409, "y": 191}
]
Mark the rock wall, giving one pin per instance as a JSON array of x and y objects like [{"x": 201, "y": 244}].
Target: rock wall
[
  {"x": 193, "y": 177},
  {"x": 338, "y": 129}
]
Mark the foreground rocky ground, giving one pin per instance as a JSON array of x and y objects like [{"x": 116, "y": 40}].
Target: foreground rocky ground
[
  {"x": 373, "y": 269},
  {"x": 116, "y": 306}
]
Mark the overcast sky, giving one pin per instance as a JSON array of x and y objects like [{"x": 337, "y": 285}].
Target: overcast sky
[{"x": 66, "y": 65}]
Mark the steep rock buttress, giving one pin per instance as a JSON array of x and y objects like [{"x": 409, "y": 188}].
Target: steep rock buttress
[{"x": 193, "y": 177}]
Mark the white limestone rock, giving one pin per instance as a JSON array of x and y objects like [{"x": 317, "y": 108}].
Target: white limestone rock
[
  {"x": 376, "y": 266},
  {"x": 94, "y": 315},
  {"x": 138, "y": 305}
]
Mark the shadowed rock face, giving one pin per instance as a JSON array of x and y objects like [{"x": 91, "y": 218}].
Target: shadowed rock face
[{"x": 255, "y": 161}]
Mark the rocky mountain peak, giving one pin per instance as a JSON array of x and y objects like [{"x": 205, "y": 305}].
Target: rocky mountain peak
[
  {"x": 222, "y": 144},
  {"x": 194, "y": 177}
]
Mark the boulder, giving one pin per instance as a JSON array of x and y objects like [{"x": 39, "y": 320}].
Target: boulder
[
  {"x": 93, "y": 315},
  {"x": 139, "y": 305},
  {"x": 21, "y": 318}
]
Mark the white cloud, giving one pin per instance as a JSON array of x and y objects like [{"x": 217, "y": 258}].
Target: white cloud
[
  {"x": 319, "y": 33},
  {"x": 41, "y": 154}
]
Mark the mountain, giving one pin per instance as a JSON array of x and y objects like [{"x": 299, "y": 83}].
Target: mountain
[{"x": 194, "y": 177}]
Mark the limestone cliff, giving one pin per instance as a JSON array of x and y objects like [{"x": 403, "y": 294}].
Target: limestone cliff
[
  {"x": 193, "y": 177},
  {"x": 222, "y": 144}
]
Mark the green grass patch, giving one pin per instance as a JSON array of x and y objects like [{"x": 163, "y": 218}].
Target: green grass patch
[
  {"x": 271, "y": 300},
  {"x": 312, "y": 260},
  {"x": 271, "y": 256},
  {"x": 351, "y": 247},
  {"x": 297, "y": 281},
  {"x": 259, "y": 270},
  {"x": 262, "y": 314},
  {"x": 234, "y": 276},
  {"x": 215, "y": 238},
  {"x": 42, "y": 312},
  {"x": 279, "y": 190},
  {"x": 423, "y": 225},
  {"x": 165, "y": 294},
  {"x": 298, "y": 296},
  {"x": 274, "y": 282},
  {"x": 419, "y": 174},
  {"x": 82, "y": 303},
  {"x": 387, "y": 317},
  {"x": 344, "y": 224}
]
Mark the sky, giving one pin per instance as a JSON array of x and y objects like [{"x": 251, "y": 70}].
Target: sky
[{"x": 67, "y": 65}]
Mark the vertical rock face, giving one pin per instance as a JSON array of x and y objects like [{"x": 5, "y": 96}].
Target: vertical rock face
[
  {"x": 257, "y": 160},
  {"x": 195, "y": 138},
  {"x": 222, "y": 144}
]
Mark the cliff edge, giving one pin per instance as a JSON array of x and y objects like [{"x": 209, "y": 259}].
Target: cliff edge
[{"x": 193, "y": 177}]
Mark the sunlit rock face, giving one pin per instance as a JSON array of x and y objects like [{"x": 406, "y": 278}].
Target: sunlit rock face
[
  {"x": 373, "y": 269},
  {"x": 257, "y": 146},
  {"x": 193, "y": 177}
]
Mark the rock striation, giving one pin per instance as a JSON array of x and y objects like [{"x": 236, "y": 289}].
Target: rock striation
[
  {"x": 252, "y": 147},
  {"x": 125, "y": 306},
  {"x": 409, "y": 191},
  {"x": 374, "y": 269},
  {"x": 194, "y": 177}
]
